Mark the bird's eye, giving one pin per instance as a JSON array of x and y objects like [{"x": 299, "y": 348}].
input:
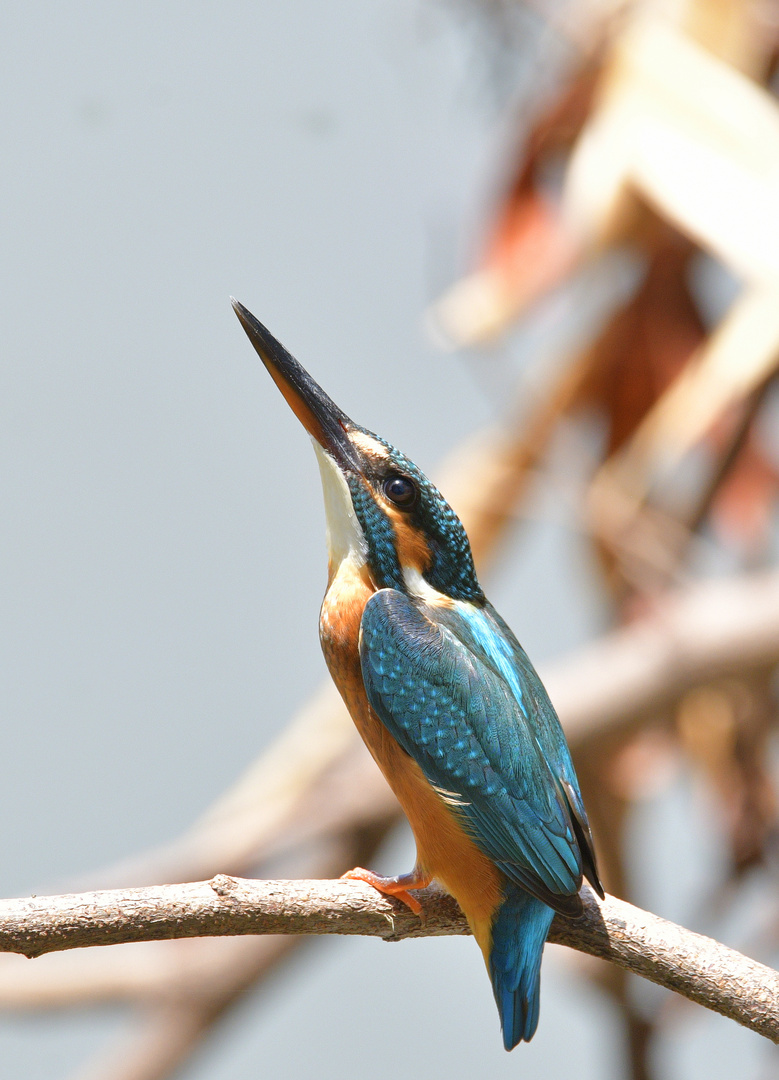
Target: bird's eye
[{"x": 401, "y": 491}]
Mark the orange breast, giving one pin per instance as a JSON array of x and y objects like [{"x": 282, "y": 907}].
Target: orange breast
[{"x": 444, "y": 849}]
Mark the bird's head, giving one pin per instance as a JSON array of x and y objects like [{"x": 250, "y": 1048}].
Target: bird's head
[{"x": 382, "y": 511}]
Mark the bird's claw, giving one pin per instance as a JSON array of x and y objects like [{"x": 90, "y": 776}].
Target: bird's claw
[{"x": 391, "y": 886}]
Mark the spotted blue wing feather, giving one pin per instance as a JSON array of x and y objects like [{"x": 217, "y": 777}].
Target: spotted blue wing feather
[
  {"x": 452, "y": 694},
  {"x": 487, "y": 635}
]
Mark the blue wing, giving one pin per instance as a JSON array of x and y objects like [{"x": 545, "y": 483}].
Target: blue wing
[{"x": 461, "y": 697}]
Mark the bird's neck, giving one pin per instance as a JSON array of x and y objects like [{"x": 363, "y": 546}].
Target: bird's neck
[{"x": 349, "y": 588}]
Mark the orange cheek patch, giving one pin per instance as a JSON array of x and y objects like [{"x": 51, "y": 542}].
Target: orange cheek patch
[{"x": 411, "y": 546}]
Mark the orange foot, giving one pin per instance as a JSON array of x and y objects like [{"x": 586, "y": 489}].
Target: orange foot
[{"x": 393, "y": 886}]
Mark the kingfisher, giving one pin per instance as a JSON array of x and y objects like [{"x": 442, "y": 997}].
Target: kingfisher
[{"x": 445, "y": 698}]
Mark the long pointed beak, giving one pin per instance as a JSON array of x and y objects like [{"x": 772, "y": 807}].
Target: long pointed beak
[{"x": 317, "y": 412}]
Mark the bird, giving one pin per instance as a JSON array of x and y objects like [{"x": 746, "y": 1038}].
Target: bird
[{"x": 445, "y": 698}]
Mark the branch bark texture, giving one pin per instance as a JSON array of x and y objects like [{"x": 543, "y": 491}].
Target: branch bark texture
[{"x": 697, "y": 967}]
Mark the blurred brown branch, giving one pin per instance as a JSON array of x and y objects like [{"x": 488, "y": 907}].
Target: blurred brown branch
[
  {"x": 697, "y": 967},
  {"x": 709, "y": 629}
]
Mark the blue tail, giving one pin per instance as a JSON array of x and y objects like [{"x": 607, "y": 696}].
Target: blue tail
[{"x": 518, "y": 935}]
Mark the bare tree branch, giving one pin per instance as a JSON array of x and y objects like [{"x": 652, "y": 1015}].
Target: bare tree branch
[{"x": 697, "y": 967}]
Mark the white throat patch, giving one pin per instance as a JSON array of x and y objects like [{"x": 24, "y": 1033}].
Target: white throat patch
[
  {"x": 417, "y": 586},
  {"x": 345, "y": 538}
]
